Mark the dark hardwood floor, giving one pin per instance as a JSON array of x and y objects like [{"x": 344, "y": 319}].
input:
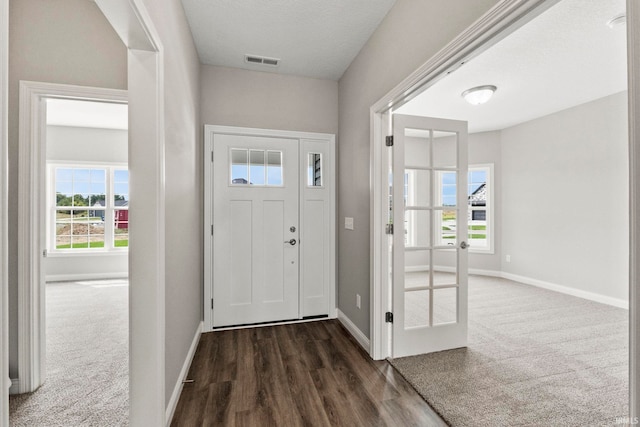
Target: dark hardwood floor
[{"x": 305, "y": 374}]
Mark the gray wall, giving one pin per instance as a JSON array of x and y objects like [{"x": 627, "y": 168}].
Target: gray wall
[
  {"x": 565, "y": 198},
  {"x": 183, "y": 178},
  {"x": 81, "y": 144},
  {"x": 62, "y": 41},
  {"x": 411, "y": 33},
  {"x": 234, "y": 97}
]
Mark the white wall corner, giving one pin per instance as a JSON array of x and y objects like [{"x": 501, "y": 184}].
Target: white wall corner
[
  {"x": 359, "y": 336},
  {"x": 175, "y": 396}
]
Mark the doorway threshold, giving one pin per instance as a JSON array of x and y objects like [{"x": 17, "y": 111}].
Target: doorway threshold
[{"x": 272, "y": 323}]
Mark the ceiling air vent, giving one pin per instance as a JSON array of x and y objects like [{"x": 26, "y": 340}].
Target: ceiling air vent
[{"x": 254, "y": 59}]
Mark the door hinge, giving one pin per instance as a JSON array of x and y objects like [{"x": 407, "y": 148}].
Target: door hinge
[
  {"x": 389, "y": 141},
  {"x": 212, "y": 229},
  {"x": 44, "y": 253},
  {"x": 388, "y": 317},
  {"x": 211, "y": 303},
  {"x": 388, "y": 229},
  {"x": 212, "y": 157}
]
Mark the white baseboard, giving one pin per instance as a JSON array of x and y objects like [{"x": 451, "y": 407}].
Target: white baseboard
[
  {"x": 15, "y": 386},
  {"x": 89, "y": 276},
  {"x": 175, "y": 396},
  {"x": 616, "y": 302},
  {"x": 354, "y": 331},
  {"x": 446, "y": 269},
  {"x": 591, "y": 296}
]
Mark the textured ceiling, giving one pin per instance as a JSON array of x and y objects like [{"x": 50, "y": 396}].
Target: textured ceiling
[
  {"x": 103, "y": 115},
  {"x": 313, "y": 38},
  {"x": 565, "y": 57}
]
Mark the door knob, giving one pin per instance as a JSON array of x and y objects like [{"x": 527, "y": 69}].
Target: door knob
[
  {"x": 463, "y": 245},
  {"x": 292, "y": 242}
]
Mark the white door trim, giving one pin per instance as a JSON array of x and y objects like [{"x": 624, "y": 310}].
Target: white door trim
[
  {"x": 134, "y": 25},
  {"x": 5, "y": 382},
  {"x": 209, "y": 131},
  {"x": 493, "y": 26},
  {"x": 633, "y": 63},
  {"x": 32, "y": 220}
]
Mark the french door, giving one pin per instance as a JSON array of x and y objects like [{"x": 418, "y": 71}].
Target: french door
[
  {"x": 429, "y": 217},
  {"x": 256, "y": 226}
]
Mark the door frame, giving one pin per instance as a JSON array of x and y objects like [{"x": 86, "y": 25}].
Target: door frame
[
  {"x": 209, "y": 132},
  {"x": 32, "y": 221},
  {"x": 5, "y": 382},
  {"x": 494, "y": 25}
]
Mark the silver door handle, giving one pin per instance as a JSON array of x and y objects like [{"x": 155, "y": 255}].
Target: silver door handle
[
  {"x": 292, "y": 242},
  {"x": 463, "y": 245}
]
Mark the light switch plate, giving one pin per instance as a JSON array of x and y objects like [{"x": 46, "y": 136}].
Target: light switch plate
[{"x": 348, "y": 223}]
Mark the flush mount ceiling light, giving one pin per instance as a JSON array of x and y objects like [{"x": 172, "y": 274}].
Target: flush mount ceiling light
[
  {"x": 617, "y": 20},
  {"x": 479, "y": 95}
]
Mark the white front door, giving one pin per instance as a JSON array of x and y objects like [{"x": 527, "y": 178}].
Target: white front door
[
  {"x": 255, "y": 227},
  {"x": 430, "y": 235}
]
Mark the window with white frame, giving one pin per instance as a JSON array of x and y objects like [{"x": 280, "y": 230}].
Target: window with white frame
[
  {"x": 479, "y": 190},
  {"x": 89, "y": 208}
]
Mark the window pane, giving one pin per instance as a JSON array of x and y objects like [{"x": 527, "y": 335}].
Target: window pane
[
  {"x": 81, "y": 175},
  {"x": 121, "y": 187},
  {"x": 239, "y": 166},
  {"x": 121, "y": 228},
  {"x": 314, "y": 172},
  {"x": 256, "y": 169},
  {"x": 416, "y": 309},
  {"x": 97, "y": 200},
  {"x": 448, "y": 189},
  {"x": 64, "y": 174},
  {"x": 478, "y": 187},
  {"x": 274, "y": 168},
  {"x": 447, "y": 227},
  {"x": 63, "y": 198},
  {"x": 445, "y": 303},
  {"x": 81, "y": 187},
  {"x": 98, "y": 175},
  {"x": 98, "y": 188},
  {"x": 417, "y": 187}
]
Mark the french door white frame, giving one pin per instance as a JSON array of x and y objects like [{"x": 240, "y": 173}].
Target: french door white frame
[
  {"x": 209, "y": 132},
  {"x": 496, "y": 24}
]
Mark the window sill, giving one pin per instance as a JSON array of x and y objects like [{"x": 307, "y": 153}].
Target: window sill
[
  {"x": 79, "y": 252},
  {"x": 482, "y": 251}
]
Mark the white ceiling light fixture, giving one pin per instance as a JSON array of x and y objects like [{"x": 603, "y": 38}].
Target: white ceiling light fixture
[
  {"x": 479, "y": 94},
  {"x": 617, "y": 20}
]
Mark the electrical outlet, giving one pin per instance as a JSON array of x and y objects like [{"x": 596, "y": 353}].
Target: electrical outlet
[
  {"x": 348, "y": 223},
  {"x": 508, "y": 258},
  {"x": 358, "y": 300}
]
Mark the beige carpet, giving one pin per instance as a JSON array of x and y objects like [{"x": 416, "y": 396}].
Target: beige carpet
[
  {"x": 87, "y": 359},
  {"x": 535, "y": 358}
]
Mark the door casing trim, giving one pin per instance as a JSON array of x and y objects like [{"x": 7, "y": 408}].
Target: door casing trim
[
  {"x": 209, "y": 132},
  {"x": 32, "y": 222},
  {"x": 494, "y": 25}
]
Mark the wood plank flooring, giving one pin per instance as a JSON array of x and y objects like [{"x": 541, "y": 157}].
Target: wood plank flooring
[{"x": 305, "y": 374}]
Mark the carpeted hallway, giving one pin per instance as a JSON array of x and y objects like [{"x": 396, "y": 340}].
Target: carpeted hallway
[
  {"x": 535, "y": 358},
  {"x": 87, "y": 359}
]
